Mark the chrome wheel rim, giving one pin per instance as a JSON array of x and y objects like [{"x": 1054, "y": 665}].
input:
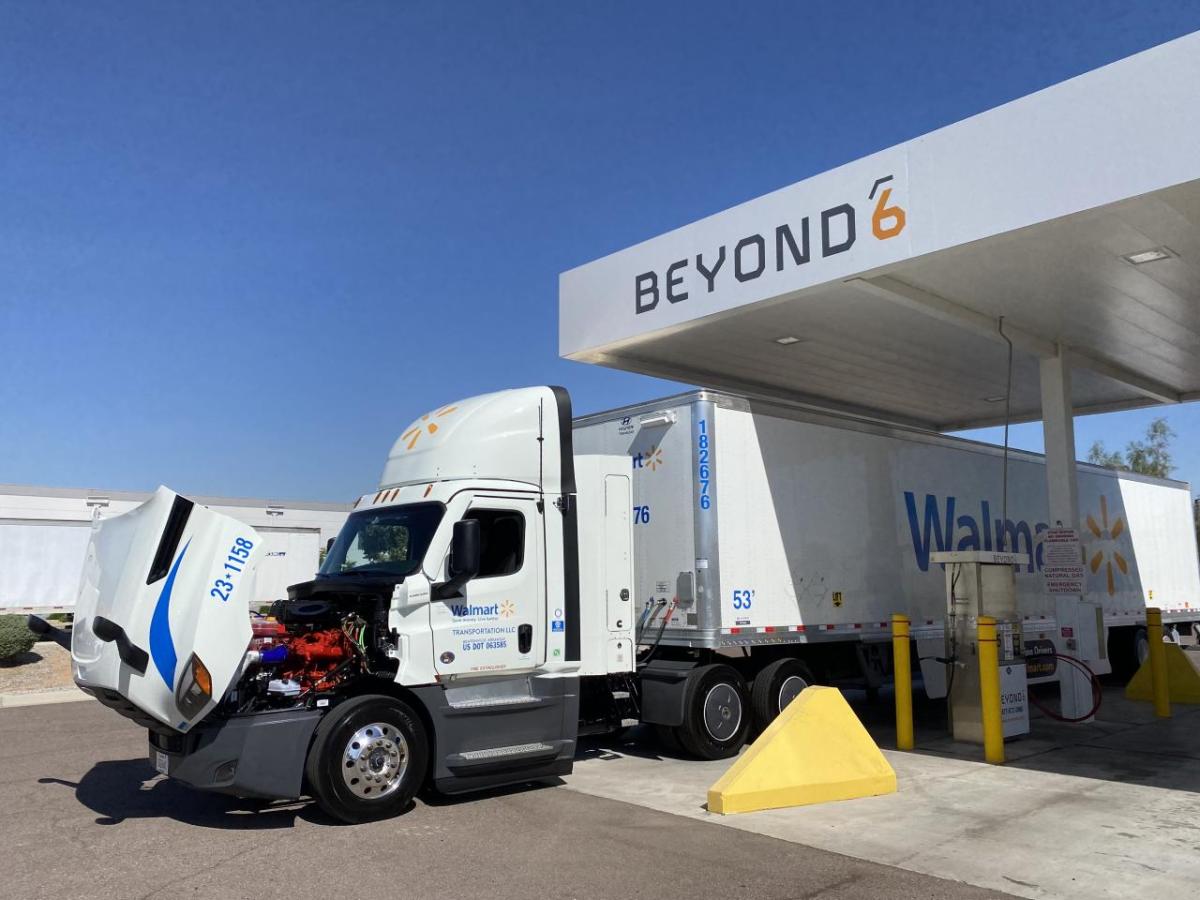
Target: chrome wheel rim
[
  {"x": 790, "y": 689},
  {"x": 722, "y": 712},
  {"x": 374, "y": 761}
]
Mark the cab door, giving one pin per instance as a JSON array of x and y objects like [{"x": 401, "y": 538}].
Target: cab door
[{"x": 497, "y": 622}]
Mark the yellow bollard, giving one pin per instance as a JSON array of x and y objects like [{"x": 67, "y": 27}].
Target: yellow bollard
[
  {"x": 1158, "y": 663},
  {"x": 989, "y": 690},
  {"x": 902, "y": 672}
]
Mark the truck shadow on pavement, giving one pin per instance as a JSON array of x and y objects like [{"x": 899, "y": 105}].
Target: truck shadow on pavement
[{"x": 109, "y": 790}]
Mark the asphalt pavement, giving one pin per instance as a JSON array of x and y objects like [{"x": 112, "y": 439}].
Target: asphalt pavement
[{"x": 84, "y": 815}]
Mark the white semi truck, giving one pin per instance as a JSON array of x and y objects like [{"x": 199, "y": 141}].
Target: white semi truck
[{"x": 519, "y": 579}]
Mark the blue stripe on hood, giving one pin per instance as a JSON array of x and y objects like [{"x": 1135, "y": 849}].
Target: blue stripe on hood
[{"x": 162, "y": 646}]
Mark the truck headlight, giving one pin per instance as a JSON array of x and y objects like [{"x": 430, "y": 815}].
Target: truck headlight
[{"x": 195, "y": 688}]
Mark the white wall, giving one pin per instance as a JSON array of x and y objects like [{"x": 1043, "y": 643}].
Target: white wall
[{"x": 44, "y": 534}]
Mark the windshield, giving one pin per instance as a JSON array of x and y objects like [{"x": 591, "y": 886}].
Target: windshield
[{"x": 389, "y": 541}]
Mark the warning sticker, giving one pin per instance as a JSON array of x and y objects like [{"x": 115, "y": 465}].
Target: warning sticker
[{"x": 1062, "y": 561}]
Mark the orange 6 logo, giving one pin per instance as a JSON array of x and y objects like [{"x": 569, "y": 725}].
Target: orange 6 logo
[{"x": 884, "y": 213}]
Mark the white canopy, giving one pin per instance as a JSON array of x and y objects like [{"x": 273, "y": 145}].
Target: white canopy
[{"x": 877, "y": 287}]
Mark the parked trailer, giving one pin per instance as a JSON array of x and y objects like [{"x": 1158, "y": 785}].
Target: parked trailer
[
  {"x": 500, "y": 594},
  {"x": 766, "y": 525}
]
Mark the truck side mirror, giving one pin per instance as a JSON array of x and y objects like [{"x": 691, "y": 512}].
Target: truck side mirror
[{"x": 464, "y": 556}]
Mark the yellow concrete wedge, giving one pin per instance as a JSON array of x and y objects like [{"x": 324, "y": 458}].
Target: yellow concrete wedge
[
  {"x": 1182, "y": 678},
  {"x": 814, "y": 752}
]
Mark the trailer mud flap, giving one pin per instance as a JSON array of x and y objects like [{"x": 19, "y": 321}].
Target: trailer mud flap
[{"x": 663, "y": 682}]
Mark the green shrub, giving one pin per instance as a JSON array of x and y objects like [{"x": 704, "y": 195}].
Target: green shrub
[{"x": 15, "y": 637}]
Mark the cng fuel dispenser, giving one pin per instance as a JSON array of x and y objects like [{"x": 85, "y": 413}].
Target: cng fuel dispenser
[{"x": 982, "y": 583}]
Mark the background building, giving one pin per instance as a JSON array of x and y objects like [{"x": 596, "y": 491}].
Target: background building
[{"x": 44, "y": 536}]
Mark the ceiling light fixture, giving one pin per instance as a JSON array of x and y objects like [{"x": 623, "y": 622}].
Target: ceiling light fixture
[
  {"x": 787, "y": 339},
  {"x": 1154, "y": 254}
]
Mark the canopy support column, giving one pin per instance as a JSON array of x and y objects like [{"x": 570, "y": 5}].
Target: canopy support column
[{"x": 1077, "y": 619}]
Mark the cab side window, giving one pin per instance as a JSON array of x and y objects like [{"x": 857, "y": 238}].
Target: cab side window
[{"x": 501, "y": 540}]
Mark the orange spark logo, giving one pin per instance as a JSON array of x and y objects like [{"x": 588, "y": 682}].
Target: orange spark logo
[
  {"x": 651, "y": 459},
  {"x": 1107, "y": 532},
  {"x": 423, "y": 425}
]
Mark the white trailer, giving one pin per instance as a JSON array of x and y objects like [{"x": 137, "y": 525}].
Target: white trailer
[
  {"x": 500, "y": 594},
  {"x": 763, "y": 523},
  {"x": 44, "y": 535}
]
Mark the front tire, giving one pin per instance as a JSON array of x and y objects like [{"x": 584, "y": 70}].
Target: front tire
[
  {"x": 716, "y": 719},
  {"x": 367, "y": 759}
]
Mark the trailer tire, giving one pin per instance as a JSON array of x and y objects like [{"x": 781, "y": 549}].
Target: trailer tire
[
  {"x": 716, "y": 712},
  {"x": 775, "y": 687},
  {"x": 1128, "y": 648},
  {"x": 1141, "y": 647},
  {"x": 668, "y": 739},
  {"x": 367, "y": 745}
]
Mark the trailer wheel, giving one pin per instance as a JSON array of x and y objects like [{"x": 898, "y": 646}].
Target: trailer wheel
[
  {"x": 777, "y": 685},
  {"x": 716, "y": 717},
  {"x": 1141, "y": 647},
  {"x": 668, "y": 739},
  {"x": 367, "y": 759}
]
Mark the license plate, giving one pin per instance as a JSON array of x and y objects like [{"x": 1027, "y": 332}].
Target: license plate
[{"x": 160, "y": 761}]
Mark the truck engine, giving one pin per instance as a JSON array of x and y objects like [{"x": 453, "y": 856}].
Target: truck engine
[{"x": 318, "y": 642}]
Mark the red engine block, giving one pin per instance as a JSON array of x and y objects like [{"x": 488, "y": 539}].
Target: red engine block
[{"x": 314, "y": 655}]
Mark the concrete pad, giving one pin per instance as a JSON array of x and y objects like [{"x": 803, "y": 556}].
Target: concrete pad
[{"x": 1092, "y": 811}]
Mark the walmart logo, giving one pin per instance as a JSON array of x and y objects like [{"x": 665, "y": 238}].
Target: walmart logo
[
  {"x": 652, "y": 459},
  {"x": 1107, "y": 556},
  {"x": 461, "y": 610},
  {"x": 424, "y": 425},
  {"x": 949, "y": 526},
  {"x": 945, "y": 524}
]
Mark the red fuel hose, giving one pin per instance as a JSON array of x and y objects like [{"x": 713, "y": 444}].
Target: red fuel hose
[{"x": 1097, "y": 692}]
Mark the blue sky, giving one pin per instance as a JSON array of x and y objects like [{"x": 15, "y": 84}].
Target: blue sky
[{"x": 242, "y": 245}]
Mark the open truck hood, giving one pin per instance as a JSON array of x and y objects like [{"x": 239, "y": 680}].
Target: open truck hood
[{"x": 162, "y": 619}]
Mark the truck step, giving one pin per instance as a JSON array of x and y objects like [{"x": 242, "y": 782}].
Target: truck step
[
  {"x": 532, "y": 755},
  {"x": 481, "y": 702},
  {"x": 498, "y": 752}
]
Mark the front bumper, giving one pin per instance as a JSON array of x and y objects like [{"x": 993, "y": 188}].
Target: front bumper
[{"x": 256, "y": 755}]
